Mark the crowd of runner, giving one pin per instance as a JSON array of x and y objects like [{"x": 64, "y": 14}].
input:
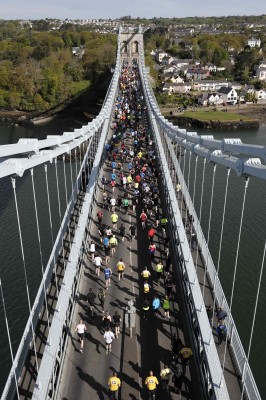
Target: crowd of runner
[{"x": 131, "y": 186}]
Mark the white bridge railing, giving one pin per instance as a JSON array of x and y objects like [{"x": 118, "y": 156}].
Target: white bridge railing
[
  {"x": 221, "y": 152},
  {"x": 15, "y": 159}
]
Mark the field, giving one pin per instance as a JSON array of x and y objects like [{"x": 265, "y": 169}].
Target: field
[{"x": 210, "y": 115}]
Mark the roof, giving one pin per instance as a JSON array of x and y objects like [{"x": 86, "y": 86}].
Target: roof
[
  {"x": 211, "y": 82},
  {"x": 225, "y": 90},
  {"x": 168, "y": 85}
]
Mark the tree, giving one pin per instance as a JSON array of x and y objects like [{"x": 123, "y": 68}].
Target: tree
[{"x": 219, "y": 55}]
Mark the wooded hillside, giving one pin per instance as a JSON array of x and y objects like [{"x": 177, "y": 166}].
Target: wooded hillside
[{"x": 39, "y": 71}]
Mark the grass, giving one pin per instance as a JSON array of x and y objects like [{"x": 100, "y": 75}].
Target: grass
[
  {"x": 207, "y": 115},
  {"x": 79, "y": 87}
]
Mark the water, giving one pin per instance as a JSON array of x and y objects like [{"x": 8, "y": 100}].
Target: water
[{"x": 251, "y": 245}]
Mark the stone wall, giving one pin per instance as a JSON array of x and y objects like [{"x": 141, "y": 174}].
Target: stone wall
[{"x": 213, "y": 124}]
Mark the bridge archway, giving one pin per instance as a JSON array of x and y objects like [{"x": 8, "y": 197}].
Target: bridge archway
[
  {"x": 135, "y": 46},
  {"x": 124, "y": 48}
]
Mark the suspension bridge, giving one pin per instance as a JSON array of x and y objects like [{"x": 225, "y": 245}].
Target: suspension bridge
[{"x": 53, "y": 189}]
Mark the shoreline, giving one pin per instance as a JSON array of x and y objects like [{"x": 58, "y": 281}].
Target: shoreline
[{"x": 256, "y": 113}]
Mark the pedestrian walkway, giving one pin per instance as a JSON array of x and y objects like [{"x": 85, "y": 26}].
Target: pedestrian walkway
[{"x": 148, "y": 347}]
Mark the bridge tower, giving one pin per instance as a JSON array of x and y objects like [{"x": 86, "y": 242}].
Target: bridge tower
[{"x": 131, "y": 39}]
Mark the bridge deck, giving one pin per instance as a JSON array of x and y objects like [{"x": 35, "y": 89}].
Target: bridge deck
[{"x": 85, "y": 375}]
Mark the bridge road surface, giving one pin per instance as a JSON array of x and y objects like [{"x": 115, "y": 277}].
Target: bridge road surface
[{"x": 85, "y": 375}]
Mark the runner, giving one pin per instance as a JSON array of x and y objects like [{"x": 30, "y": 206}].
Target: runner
[
  {"x": 132, "y": 231},
  {"x": 122, "y": 231},
  {"x": 104, "y": 182},
  {"x": 152, "y": 249},
  {"x": 101, "y": 297},
  {"x": 107, "y": 274},
  {"x": 159, "y": 271},
  {"x": 146, "y": 289},
  {"x": 107, "y": 253},
  {"x": 106, "y": 320},
  {"x": 108, "y": 336},
  {"x": 165, "y": 375},
  {"x": 151, "y": 383},
  {"x": 143, "y": 218},
  {"x": 145, "y": 274},
  {"x": 92, "y": 250},
  {"x": 151, "y": 233},
  {"x": 113, "y": 244},
  {"x": 114, "y": 219},
  {"x": 100, "y": 216},
  {"x": 80, "y": 329},
  {"x": 117, "y": 321},
  {"x": 113, "y": 203},
  {"x": 145, "y": 308},
  {"x": 91, "y": 299},
  {"x": 166, "y": 307},
  {"x": 97, "y": 263},
  {"x": 126, "y": 204},
  {"x": 120, "y": 269},
  {"x": 114, "y": 384}
]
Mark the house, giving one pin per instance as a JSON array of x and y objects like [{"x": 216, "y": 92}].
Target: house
[
  {"x": 160, "y": 54},
  {"x": 176, "y": 79},
  {"x": 197, "y": 73},
  {"x": 185, "y": 62},
  {"x": 167, "y": 60},
  {"x": 78, "y": 51},
  {"x": 261, "y": 71},
  {"x": 208, "y": 85},
  {"x": 174, "y": 88},
  {"x": 210, "y": 99},
  {"x": 228, "y": 94},
  {"x": 246, "y": 94},
  {"x": 254, "y": 42},
  {"x": 168, "y": 69},
  {"x": 211, "y": 67},
  {"x": 236, "y": 85},
  {"x": 260, "y": 96}
]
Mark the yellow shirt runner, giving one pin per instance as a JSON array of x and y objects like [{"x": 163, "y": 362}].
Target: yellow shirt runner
[
  {"x": 114, "y": 383},
  {"x": 151, "y": 382}
]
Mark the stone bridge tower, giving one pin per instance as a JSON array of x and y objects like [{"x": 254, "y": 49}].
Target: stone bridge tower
[{"x": 131, "y": 39}]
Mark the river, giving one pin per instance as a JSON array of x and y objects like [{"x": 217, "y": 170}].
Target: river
[{"x": 252, "y": 241}]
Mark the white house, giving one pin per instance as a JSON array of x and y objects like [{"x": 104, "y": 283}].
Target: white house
[
  {"x": 254, "y": 42},
  {"x": 168, "y": 68},
  {"x": 260, "y": 95},
  {"x": 210, "y": 99},
  {"x": 160, "y": 54},
  {"x": 261, "y": 71},
  {"x": 228, "y": 94},
  {"x": 174, "y": 88},
  {"x": 184, "y": 63},
  {"x": 208, "y": 85},
  {"x": 211, "y": 67},
  {"x": 78, "y": 51}
]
